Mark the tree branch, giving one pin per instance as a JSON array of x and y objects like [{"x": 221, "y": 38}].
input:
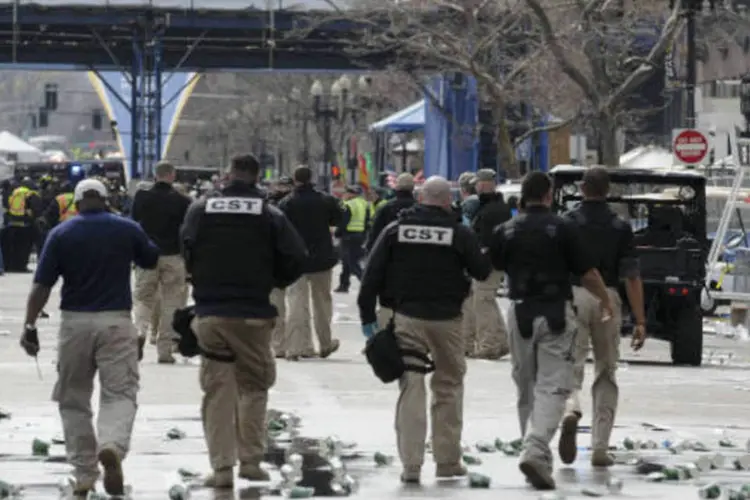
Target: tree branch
[
  {"x": 551, "y": 127},
  {"x": 567, "y": 66}
]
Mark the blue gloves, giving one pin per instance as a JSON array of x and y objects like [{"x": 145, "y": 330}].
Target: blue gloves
[{"x": 369, "y": 330}]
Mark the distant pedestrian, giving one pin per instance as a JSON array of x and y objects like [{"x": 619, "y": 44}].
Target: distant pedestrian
[
  {"x": 353, "y": 229},
  {"x": 313, "y": 214},
  {"x": 161, "y": 210}
]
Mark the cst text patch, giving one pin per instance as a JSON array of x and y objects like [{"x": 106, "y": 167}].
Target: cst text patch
[
  {"x": 430, "y": 235},
  {"x": 243, "y": 206}
]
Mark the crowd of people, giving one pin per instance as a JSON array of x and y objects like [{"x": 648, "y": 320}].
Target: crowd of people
[{"x": 260, "y": 264}]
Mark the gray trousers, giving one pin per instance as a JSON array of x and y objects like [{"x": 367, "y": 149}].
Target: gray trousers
[
  {"x": 543, "y": 372},
  {"x": 106, "y": 342}
]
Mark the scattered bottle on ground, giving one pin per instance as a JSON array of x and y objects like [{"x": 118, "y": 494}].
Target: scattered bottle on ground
[
  {"x": 40, "y": 448},
  {"x": 477, "y": 480},
  {"x": 174, "y": 433}
]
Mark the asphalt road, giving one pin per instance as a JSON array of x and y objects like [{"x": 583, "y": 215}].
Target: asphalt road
[{"x": 340, "y": 396}]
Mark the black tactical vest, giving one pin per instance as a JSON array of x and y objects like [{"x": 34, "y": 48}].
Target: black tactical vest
[
  {"x": 425, "y": 264},
  {"x": 233, "y": 251},
  {"x": 601, "y": 232},
  {"x": 538, "y": 268}
]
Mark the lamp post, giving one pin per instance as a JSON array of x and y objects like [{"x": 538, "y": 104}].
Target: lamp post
[
  {"x": 340, "y": 104},
  {"x": 301, "y": 117},
  {"x": 745, "y": 101},
  {"x": 276, "y": 108}
]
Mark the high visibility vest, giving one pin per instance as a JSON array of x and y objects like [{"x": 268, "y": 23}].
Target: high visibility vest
[
  {"x": 17, "y": 201},
  {"x": 358, "y": 207},
  {"x": 377, "y": 206},
  {"x": 66, "y": 206}
]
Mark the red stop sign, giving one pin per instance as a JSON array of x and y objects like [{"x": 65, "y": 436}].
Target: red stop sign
[{"x": 690, "y": 146}]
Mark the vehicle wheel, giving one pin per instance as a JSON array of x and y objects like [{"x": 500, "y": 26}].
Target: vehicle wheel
[
  {"x": 687, "y": 345},
  {"x": 708, "y": 303}
]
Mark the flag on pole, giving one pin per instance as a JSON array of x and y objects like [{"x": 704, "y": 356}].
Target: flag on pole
[
  {"x": 370, "y": 165},
  {"x": 364, "y": 175}
]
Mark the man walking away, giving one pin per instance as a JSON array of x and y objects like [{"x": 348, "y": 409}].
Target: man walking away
[
  {"x": 313, "y": 214},
  {"x": 388, "y": 213},
  {"x": 160, "y": 210},
  {"x": 353, "y": 230},
  {"x": 280, "y": 342},
  {"x": 491, "y": 331},
  {"x": 610, "y": 242},
  {"x": 93, "y": 253},
  {"x": 540, "y": 251},
  {"x": 237, "y": 248},
  {"x": 422, "y": 260}
]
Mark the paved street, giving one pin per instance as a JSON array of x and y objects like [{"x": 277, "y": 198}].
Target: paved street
[{"x": 340, "y": 396}]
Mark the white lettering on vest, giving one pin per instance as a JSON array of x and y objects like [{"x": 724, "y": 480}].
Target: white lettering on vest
[
  {"x": 430, "y": 235},
  {"x": 243, "y": 206}
]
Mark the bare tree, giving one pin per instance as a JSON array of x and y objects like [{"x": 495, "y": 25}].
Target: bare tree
[
  {"x": 487, "y": 40},
  {"x": 276, "y": 112},
  {"x": 606, "y": 51}
]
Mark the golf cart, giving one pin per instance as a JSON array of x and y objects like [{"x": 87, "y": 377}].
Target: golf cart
[{"x": 667, "y": 210}]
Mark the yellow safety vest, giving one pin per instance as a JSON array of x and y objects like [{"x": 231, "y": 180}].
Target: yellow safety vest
[
  {"x": 377, "y": 205},
  {"x": 66, "y": 206},
  {"x": 17, "y": 202},
  {"x": 358, "y": 208}
]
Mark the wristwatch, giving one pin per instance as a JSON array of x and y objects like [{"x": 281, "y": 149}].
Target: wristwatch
[{"x": 29, "y": 326}]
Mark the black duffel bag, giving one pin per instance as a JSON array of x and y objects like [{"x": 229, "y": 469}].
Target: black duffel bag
[
  {"x": 182, "y": 321},
  {"x": 387, "y": 359}
]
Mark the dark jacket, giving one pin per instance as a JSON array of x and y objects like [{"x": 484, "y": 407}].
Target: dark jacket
[
  {"x": 418, "y": 266},
  {"x": 492, "y": 212},
  {"x": 313, "y": 213},
  {"x": 387, "y": 214},
  {"x": 236, "y": 257},
  {"x": 160, "y": 211}
]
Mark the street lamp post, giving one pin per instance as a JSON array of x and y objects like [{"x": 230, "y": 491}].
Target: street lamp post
[
  {"x": 745, "y": 101},
  {"x": 338, "y": 105}
]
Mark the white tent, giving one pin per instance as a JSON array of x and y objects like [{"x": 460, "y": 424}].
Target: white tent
[
  {"x": 648, "y": 157},
  {"x": 14, "y": 147}
]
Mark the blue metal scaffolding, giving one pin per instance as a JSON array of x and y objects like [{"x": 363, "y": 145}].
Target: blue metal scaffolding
[{"x": 148, "y": 44}]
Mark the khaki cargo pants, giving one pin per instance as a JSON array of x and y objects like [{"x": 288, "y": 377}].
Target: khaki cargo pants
[
  {"x": 235, "y": 394},
  {"x": 445, "y": 344},
  {"x": 278, "y": 337},
  {"x": 491, "y": 337},
  {"x": 605, "y": 340},
  {"x": 542, "y": 369},
  {"x": 156, "y": 314},
  {"x": 469, "y": 326},
  {"x": 315, "y": 286},
  {"x": 163, "y": 286},
  {"x": 107, "y": 342}
]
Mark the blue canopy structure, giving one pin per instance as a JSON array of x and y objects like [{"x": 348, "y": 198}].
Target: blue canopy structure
[{"x": 407, "y": 120}]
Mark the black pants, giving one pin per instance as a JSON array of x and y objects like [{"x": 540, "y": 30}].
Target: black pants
[
  {"x": 17, "y": 243},
  {"x": 351, "y": 256}
]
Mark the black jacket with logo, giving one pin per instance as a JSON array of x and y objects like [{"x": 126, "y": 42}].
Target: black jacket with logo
[
  {"x": 160, "y": 210},
  {"x": 237, "y": 248},
  {"x": 418, "y": 266},
  {"x": 313, "y": 214}
]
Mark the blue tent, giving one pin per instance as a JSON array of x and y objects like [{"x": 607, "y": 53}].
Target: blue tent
[{"x": 408, "y": 119}]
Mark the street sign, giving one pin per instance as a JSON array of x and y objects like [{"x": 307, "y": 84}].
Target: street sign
[{"x": 689, "y": 146}]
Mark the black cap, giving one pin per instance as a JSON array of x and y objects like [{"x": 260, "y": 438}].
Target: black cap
[{"x": 353, "y": 190}]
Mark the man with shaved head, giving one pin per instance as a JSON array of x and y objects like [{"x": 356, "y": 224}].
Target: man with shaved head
[{"x": 420, "y": 264}]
